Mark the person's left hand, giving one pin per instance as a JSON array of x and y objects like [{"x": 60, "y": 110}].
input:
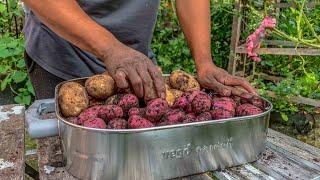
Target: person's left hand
[{"x": 217, "y": 79}]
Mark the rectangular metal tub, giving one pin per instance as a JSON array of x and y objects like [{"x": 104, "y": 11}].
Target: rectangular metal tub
[{"x": 162, "y": 152}]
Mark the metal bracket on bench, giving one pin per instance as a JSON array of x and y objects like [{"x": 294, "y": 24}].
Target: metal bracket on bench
[{"x": 37, "y": 127}]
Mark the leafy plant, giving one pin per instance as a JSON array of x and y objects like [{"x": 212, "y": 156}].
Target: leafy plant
[
  {"x": 300, "y": 74},
  {"x": 13, "y": 73},
  {"x": 171, "y": 47}
]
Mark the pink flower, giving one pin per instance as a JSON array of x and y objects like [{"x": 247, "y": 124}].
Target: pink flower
[
  {"x": 253, "y": 40},
  {"x": 269, "y": 22}
]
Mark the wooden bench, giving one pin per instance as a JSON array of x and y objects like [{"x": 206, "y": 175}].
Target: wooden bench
[
  {"x": 12, "y": 142},
  {"x": 284, "y": 158}
]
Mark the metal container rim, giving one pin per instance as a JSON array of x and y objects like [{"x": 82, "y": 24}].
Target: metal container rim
[{"x": 118, "y": 131}]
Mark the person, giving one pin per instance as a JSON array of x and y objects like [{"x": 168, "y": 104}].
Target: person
[{"x": 71, "y": 39}]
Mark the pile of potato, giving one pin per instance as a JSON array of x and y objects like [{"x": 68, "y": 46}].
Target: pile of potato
[{"x": 100, "y": 104}]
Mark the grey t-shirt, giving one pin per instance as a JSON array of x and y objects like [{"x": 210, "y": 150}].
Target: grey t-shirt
[{"x": 131, "y": 21}]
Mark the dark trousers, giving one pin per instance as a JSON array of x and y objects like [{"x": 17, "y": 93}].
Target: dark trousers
[{"x": 43, "y": 82}]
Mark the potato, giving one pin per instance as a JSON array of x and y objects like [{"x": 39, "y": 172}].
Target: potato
[
  {"x": 183, "y": 81},
  {"x": 72, "y": 99},
  {"x": 170, "y": 97},
  {"x": 177, "y": 93},
  {"x": 100, "y": 86},
  {"x": 167, "y": 82}
]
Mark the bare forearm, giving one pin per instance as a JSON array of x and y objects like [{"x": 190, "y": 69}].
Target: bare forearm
[
  {"x": 194, "y": 18},
  {"x": 68, "y": 20}
]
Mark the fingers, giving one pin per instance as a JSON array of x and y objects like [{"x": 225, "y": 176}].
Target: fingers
[
  {"x": 147, "y": 82},
  {"x": 219, "y": 88},
  {"x": 136, "y": 81},
  {"x": 120, "y": 78},
  {"x": 241, "y": 93},
  {"x": 238, "y": 81},
  {"x": 158, "y": 81}
]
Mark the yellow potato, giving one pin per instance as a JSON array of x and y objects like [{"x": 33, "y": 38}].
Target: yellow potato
[
  {"x": 177, "y": 93},
  {"x": 170, "y": 97},
  {"x": 72, "y": 99},
  {"x": 100, "y": 86},
  {"x": 183, "y": 81}
]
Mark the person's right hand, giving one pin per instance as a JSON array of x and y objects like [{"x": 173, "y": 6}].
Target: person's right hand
[{"x": 130, "y": 67}]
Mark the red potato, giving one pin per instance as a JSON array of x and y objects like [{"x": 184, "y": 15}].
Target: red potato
[
  {"x": 127, "y": 102},
  {"x": 88, "y": 114},
  {"x": 221, "y": 114},
  {"x": 137, "y": 111},
  {"x": 205, "y": 116},
  {"x": 156, "y": 109},
  {"x": 191, "y": 117},
  {"x": 117, "y": 123},
  {"x": 136, "y": 122},
  {"x": 108, "y": 112},
  {"x": 185, "y": 100},
  {"x": 95, "y": 123},
  {"x": 248, "y": 109},
  {"x": 201, "y": 103},
  {"x": 224, "y": 103},
  {"x": 174, "y": 116}
]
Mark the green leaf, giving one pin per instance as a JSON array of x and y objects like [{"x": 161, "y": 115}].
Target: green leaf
[
  {"x": 27, "y": 99},
  {"x": 30, "y": 88},
  {"x": 13, "y": 44},
  {"x": 21, "y": 99},
  {"x": 284, "y": 116},
  {"x": 19, "y": 76},
  {"x": 5, "y": 82},
  {"x": 2, "y": 8},
  {"x": 4, "y": 53},
  {"x": 21, "y": 63},
  {"x": 18, "y": 99},
  {"x": 4, "y": 69}
]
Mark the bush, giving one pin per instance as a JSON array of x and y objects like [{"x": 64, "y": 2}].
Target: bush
[
  {"x": 171, "y": 48},
  {"x": 13, "y": 73}
]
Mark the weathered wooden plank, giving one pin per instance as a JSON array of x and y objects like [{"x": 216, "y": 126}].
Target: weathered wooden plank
[
  {"x": 275, "y": 164},
  {"x": 307, "y": 101},
  {"x": 246, "y": 171},
  {"x": 280, "y": 43},
  {"x": 282, "y": 51},
  {"x": 281, "y": 142},
  {"x": 283, "y": 154},
  {"x": 12, "y": 142},
  {"x": 292, "y": 4},
  {"x": 203, "y": 176},
  {"x": 234, "y": 38},
  {"x": 275, "y": 79},
  {"x": 299, "y": 100},
  {"x": 50, "y": 160}
]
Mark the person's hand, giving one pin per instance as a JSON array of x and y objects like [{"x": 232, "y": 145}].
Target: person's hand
[
  {"x": 129, "y": 67},
  {"x": 217, "y": 79}
]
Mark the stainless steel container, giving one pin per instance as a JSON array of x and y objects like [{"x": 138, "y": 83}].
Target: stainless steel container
[{"x": 162, "y": 152}]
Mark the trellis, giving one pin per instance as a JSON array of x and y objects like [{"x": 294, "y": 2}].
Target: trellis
[{"x": 238, "y": 62}]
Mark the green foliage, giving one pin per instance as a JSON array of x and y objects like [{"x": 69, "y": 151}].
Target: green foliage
[
  {"x": 13, "y": 73},
  {"x": 301, "y": 75},
  {"x": 171, "y": 47}
]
